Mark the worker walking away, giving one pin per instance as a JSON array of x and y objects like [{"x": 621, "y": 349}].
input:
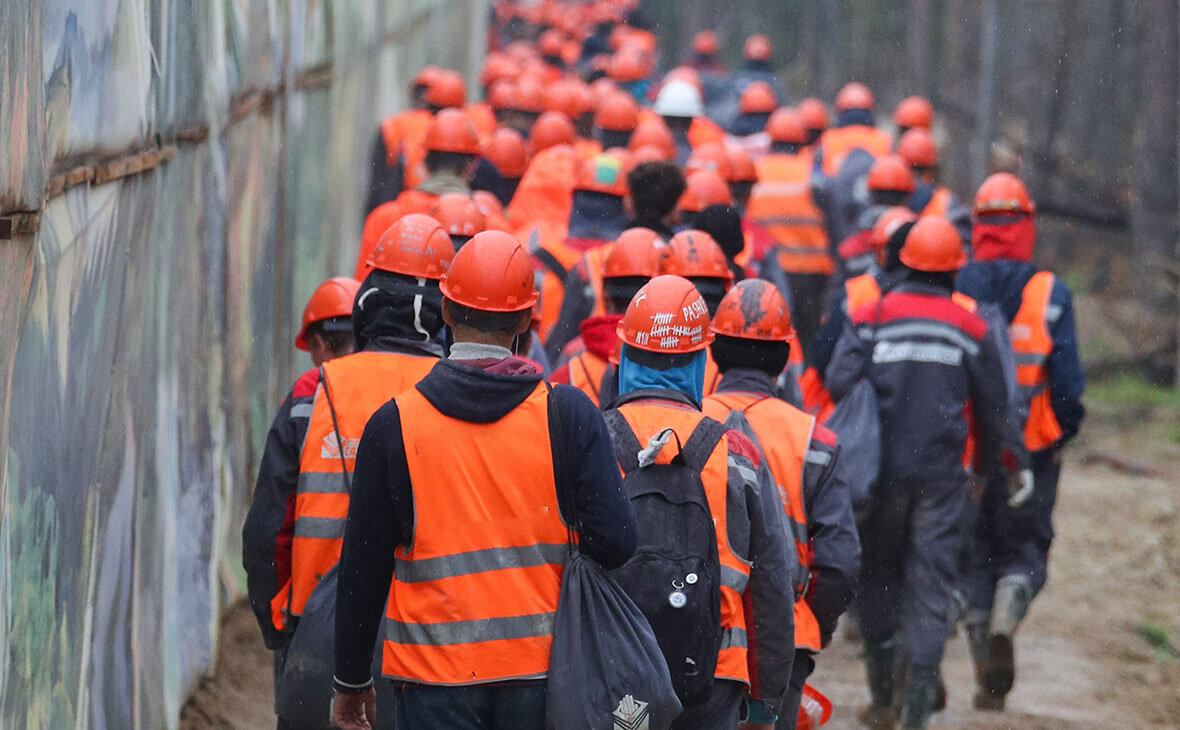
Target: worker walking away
[
  {"x": 755, "y": 105},
  {"x": 702, "y": 189},
  {"x": 590, "y": 358},
  {"x": 654, "y": 188},
  {"x": 679, "y": 104},
  {"x": 1015, "y": 531},
  {"x": 724, "y": 224},
  {"x": 916, "y": 147},
  {"x": 913, "y": 112},
  {"x": 452, "y": 152},
  {"x": 507, "y": 153},
  {"x": 753, "y": 339},
  {"x": 387, "y": 166},
  {"x": 615, "y": 120},
  {"x": 703, "y": 494},
  {"x": 927, "y": 358},
  {"x": 782, "y": 204},
  {"x": 814, "y": 114},
  {"x": 890, "y": 183},
  {"x": 454, "y": 525}
]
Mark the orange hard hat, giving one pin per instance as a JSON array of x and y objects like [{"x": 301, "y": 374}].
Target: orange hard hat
[
  {"x": 331, "y": 299},
  {"x": 629, "y": 64},
  {"x": 425, "y": 75},
  {"x": 618, "y": 112},
  {"x": 702, "y": 189},
  {"x": 447, "y": 89},
  {"x": 708, "y": 156},
  {"x": 506, "y": 151},
  {"x": 604, "y": 173},
  {"x": 917, "y": 148},
  {"x": 654, "y": 132},
  {"x": 887, "y": 224},
  {"x": 530, "y": 95},
  {"x": 550, "y": 130},
  {"x": 451, "y": 131},
  {"x": 854, "y": 95},
  {"x": 635, "y": 253},
  {"x": 758, "y": 47},
  {"x": 491, "y": 273},
  {"x": 890, "y": 173},
  {"x": 458, "y": 214},
  {"x": 669, "y": 316},
  {"x": 705, "y": 43},
  {"x": 693, "y": 254},
  {"x": 933, "y": 245},
  {"x": 754, "y": 309},
  {"x": 502, "y": 95},
  {"x": 914, "y": 111},
  {"x": 813, "y": 113},
  {"x": 417, "y": 245},
  {"x": 570, "y": 97},
  {"x": 1003, "y": 192},
  {"x": 741, "y": 165},
  {"x": 602, "y": 88},
  {"x": 618, "y": 36},
  {"x": 758, "y": 98},
  {"x": 684, "y": 73},
  {"x": 551, "y": 43},
  {"x": 498, "y": 67},
  {"x": 651, "y": 153},
  {"x": 786, "y": 126}
]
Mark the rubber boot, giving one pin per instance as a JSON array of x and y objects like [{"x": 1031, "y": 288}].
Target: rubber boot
[
  {"x": 879, "y": 715},
  {"x": 921, "y": 687},
  {"x": 977, "y": 644},
  {"x": 1010, "y": 606}
]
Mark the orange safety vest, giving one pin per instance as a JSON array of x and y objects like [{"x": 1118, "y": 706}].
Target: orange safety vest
[
  {"x": 1032, "y": 343},
  {"x": 837, "y": 142},
  {"x": 587, "y": 148},
  {"x": 415, "y": 201},
  {"x": 403, "y": 126},
  {"x": 784, "y": 433},
  {"x": 358, "y": 384},
  {"x": 861, "y": 291},
  {"x": 586, "y": 372},
  {"x": 545, "y": 240},
  {"x": 704, "y": 130},
  {"x": 712, "y": 374},
  {"x": 476, "y": 604},
  {"x": 781, "y": 203},
  {"x": 648, "y": 419}
]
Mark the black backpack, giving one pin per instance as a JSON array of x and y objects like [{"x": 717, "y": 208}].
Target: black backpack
[{"x": 675, "y": 574}]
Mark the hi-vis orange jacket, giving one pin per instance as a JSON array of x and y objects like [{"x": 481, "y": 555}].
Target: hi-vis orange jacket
[
  {"x": 404, "y": 134},
  {"x": 1032, "y": 344},
  {"x": 837, "y": 142},
  {"x": 351, "y": 388},
  {"x": 781, "y": 203},
  {"x": 471, "y": 606}
]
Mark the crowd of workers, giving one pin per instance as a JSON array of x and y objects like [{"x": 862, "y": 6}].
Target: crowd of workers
[{"x": 641, "y": 255}]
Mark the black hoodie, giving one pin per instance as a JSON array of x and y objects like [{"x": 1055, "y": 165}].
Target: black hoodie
[{"x": 381, "y": 506}]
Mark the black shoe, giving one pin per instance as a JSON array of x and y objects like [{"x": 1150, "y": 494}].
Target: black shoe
[
  {"x": 999, "y": 670},
  {"x": 940, "y": 695},
  {"x": 988, "y": 702}
]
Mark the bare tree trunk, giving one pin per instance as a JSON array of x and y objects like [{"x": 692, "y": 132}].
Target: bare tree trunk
[
  {"x": 919, "y": 46},
  {"x": 826, "y": 57},
  {"x": 985, "y": 110},
  {"x": 957, "y": 88}
]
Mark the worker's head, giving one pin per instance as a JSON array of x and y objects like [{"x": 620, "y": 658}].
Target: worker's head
[
  {"x": 447, "y": 90},
  {"x": 724, "y": 223},
  {"x": 326, "y": 331},
  {"x": 881, "y": 236},
  {"x": 752, "y": 328},
  {"x": 758, "y": 100},
  {"x": 743, "y": 175},
  {"x": 528, "y": 102},
  {"x": 631, "y": 263},
  {"x": 916, "y": 147},
  {"x": 786, "y": 131},
  {"x": 854, "y": 105},
  {"x": 572, "y": 97},
  {"x": 814, "y": 114},
  {"x": 653, "y": 133},
  {"x": 695, "y": 256},
  {"x": 665, "y": 335},
  {"x": 1004, "y": 225},
  {"x": 550, "y": 130},
  {"x": 506, "y": 150},
  {"x": 489, "y": 291},
  {"x": 914, "y": 112},
  {"x": 758, "y": 50},
  {"x": 452, "y": 146},
  {"x": 616, "y": 119},
  {"x": 702, "y": 189},
  {"x": 933, "y": 252},
  {"x": 890, "y": 181},
  {"x": 421, "y": 83},
  {"x": 678, "y": 103},
  {"x": 705, "y": 45},
  {"x": 459, "y": 216},
  {"x": 655, "y": 187}
]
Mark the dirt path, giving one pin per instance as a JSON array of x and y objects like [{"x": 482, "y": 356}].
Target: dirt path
[{"x": 1082, "y": 659}]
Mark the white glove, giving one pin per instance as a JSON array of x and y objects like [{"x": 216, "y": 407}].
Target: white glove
[{"x": 1020, "y": 487}]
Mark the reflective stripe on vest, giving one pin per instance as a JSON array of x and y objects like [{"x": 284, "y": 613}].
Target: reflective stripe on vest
[
  {"x": 359, "y": 384},
  {"x": 586, "y": 373},
  {"x": 837, "y": 142},
  {"x": 781, "y": 202},
  {"x": 476, "y": 604},
  {"x": 860, "y": 292},
  {"x": 1032, "y": 344},
  {"x": 646, "y": 420},
  {"x": 784, "y": 434}
]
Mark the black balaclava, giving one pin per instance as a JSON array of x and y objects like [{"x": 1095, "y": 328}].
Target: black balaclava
[
  {"x": 893, "y": 247},
  {"x": 396, "y": 307}
]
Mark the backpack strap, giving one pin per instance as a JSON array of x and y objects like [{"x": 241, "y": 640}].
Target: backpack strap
[
  {"x": 550, "y": 262},
  {"x": 702, "y": 442},
  {"x": 565, "y": 488},
  {"x": 625, "y": 441}
]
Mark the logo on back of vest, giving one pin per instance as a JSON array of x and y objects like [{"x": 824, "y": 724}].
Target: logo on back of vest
[
  {"x": 631, "y": 714},
  {"x": 330, "y": 447}
]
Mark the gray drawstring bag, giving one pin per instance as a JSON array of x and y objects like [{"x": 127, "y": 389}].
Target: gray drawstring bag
[
  {"x": 606, "y": 671},
  {"x": 857, "y": 424},
  {"x": 305, "y": 691}
]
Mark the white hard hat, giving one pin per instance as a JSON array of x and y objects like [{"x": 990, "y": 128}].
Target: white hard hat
[{"x": 679, "y": 99}]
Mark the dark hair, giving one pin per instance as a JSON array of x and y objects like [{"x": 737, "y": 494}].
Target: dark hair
[
  {"x": 769, "y": 356},
  {"x": 894, "y": 244},
  {"x": 724, "y": 224},
  {"x": 492, "y": 322},
  {"x": 888, "y": 197},
  {"x": 455, "y": 162},
  {"x": 339, "y": 342},
  {"x": 656, "y": 187},
  {"x": 620, "y": 290},
  {"x": 614, "y": 137},
  {"x": 712, "y": 290}
]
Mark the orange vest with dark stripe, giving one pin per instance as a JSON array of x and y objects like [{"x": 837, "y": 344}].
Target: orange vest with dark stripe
[
  {"x": 648, "y": 419},
  {"x": 358, "y": 384},
  {"x": 784, "y": 433},
  {"x": 837, "y": 142},
  {"x": 474, "y": 595},
  {"x": 586, "y": 371},
  {"x": 1033, "y": 343},
  {"x": 781, "y": 203}
]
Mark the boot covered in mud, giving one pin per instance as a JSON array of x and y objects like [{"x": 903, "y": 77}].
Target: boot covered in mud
[
  {"x": 1011, "y": 604},
  {"x": 879, "y": 668},
  {"x": 976, "y": 630},
  {"x": 921, "y": 689}
]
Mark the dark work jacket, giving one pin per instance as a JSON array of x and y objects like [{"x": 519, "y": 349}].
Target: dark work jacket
[
  {"x": 927, "y": 358},
  {"x": 381, "y": 506}
]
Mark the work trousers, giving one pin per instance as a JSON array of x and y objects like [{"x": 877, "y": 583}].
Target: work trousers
[
  {"x": 1013, "y": 542},
  {"x": 910, "y": 543},
  {"x": 724, "y": 708},
  {"x": 503, "y": 706},
  {"x": 280, "y": 656},
  {"x": 801, "y": 669}
]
